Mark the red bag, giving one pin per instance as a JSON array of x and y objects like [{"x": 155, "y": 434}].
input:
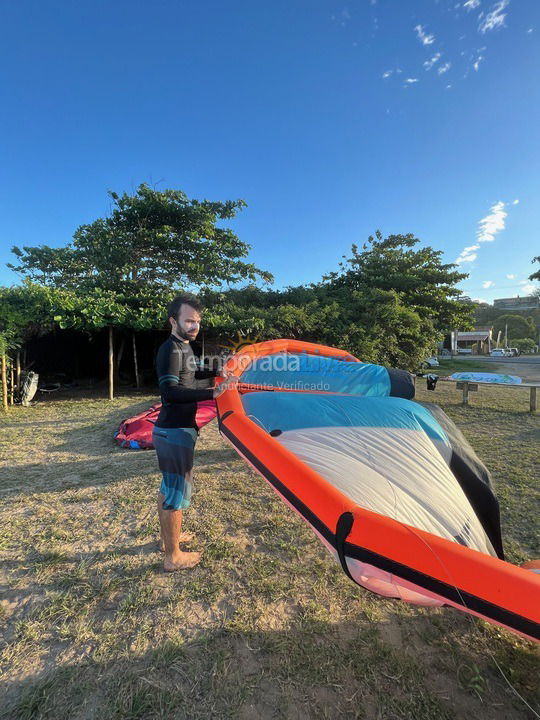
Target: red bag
[{"x": 136, "y": 432}]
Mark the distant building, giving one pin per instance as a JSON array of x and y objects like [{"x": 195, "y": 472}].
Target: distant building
[
  {"x": 474, "y": 342},
  {"x": 529, "y": 302}
]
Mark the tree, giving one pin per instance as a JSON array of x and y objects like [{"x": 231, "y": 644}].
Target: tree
[
  {"x": 535, "y": 275},
  {"x": 129, "y": 262},
  {"x": 526, "y": 345},
  {"x": 25, "y": 310},
  {"x": 395, "y": 301},
  {"x": 151, "y": 238},
  {"x": 3, "y": 368},
  {"x": 422, "y": 282},
  {"x": 388, "y": 304},
  {"x": 515, "y": 326}
]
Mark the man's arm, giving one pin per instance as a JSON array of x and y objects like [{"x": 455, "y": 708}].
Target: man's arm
[
  {"x": 204, "y": 374},
  {"x": 174, "y": 392}
]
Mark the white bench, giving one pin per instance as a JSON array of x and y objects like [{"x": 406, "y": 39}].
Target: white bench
[{"x": 468, "y": 386}]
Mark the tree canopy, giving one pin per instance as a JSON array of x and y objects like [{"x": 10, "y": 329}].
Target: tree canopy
[
  {"x": 517, "y": 326},
  {"x": 396, "y": 300},
  {"x": 419, "y": 278},
  {"x": 152, "y": 238},
  {"x": 390, "y": 302}
]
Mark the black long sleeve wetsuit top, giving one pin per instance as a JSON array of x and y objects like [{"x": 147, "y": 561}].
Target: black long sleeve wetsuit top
[{"x": 178, "y": 372}]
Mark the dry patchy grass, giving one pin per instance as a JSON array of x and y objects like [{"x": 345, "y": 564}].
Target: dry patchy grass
[{"x": 267, "y": 626}]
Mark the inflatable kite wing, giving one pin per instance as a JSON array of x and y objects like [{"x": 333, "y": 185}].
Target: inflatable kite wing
[{"x": 390, "y": 486}]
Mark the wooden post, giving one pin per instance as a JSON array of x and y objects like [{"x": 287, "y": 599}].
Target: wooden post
[
  {"x": 465, "y": 393},
  {"x": 533, "y": 404},
  {"x": 4, "y": 384},
  {"x": 111, "y": 364},
  {"x": 137, "y": 382}
]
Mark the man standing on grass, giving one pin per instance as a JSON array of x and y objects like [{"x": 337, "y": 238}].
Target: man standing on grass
[{"x": 175, "y": 432}]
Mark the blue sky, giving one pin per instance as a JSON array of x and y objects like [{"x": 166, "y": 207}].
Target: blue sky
[{"x": 331, "y": 119}]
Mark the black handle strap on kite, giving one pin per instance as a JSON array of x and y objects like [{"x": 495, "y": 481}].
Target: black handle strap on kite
[{"x": 343, "y": 529}]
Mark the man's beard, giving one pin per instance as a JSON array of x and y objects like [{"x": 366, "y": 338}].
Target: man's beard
[{"x": 182, "y": 333}]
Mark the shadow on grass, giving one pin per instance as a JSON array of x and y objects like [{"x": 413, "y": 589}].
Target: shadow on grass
[
  {"x": 312, "y": 669},
  {"x": 112, "y": 469}
]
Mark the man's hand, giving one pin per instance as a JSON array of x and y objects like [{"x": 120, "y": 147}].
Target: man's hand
[{"x": 227, "y": 384}]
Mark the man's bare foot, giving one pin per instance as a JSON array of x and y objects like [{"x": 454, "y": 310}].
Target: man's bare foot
[
  {"x": 185, "y": 537},
  {"x": 181, "y": 561}
]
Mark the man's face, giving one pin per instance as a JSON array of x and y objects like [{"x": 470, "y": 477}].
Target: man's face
[{"x": 188, "y": 322}]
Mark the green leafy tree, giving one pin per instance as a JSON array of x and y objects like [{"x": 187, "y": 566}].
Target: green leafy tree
[
  {"x": 125, "y": 266},
  {"x": 395, "y": 300},
  {"x": 536, "y": 274},
  {"x": 526, "y": 345},
  {"x": 421, "y": 280},
  {"x": 517, "y": 326},
  {"x": 25, "y": 310},
  {"x": 151, "y": 238}
]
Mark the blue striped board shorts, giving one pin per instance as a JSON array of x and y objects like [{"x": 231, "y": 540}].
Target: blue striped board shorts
[{"x": 174, "y": 449}]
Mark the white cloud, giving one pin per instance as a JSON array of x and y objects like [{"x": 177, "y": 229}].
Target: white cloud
[
  {"x": 511, "y": 276},
  {"x": 515, "y": 202},
  {"x": 423, "y": 37},
  {"x": 411, "y": 80},
  {"x": 387, "y": 74},
  {"x": 444, "y": 68},
  {"x": 495, "y": 18},
  {"x": 477, "y": 62},
  {"x": 430, "y": 63},
  {"x": 468, "y": 254},
  {"x": 529, "y": 289},
  {"x": 471, "y": 4},
  {"x": 530, "y": 30},
  {"x": 492, "y": 223},
  {"x": 487, "y": 284}
]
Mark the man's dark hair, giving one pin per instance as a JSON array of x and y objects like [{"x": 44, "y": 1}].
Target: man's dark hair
[{"x": 186, "y": 299}]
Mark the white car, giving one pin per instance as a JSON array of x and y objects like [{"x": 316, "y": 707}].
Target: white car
[
  {"x": 498, "y": 352},
  {"x": 430, "y": 362}
]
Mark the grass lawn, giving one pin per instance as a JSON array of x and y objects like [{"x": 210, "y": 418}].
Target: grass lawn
[
  {"x": 268, "y": 626},
  {"x": 447, "y": 367}
]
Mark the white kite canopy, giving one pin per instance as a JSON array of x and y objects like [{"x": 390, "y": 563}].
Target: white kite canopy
[{"x": 388, "y": 455}]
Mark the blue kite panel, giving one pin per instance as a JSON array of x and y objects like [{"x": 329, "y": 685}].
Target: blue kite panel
[
  {"x": 315, "y": 372},
  {"x": 293, "y": 411}
]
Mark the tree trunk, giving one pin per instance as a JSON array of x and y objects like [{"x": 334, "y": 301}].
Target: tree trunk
[
  {"x": 137, "y": 381},
  {"x": 18, "y": 375},
  {"x": 11, "y": 383},
  {"x": 120, "y": 352},
  {"x": 111, "y": 364},
  {"x": 4, "y": 384}
]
